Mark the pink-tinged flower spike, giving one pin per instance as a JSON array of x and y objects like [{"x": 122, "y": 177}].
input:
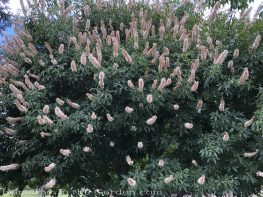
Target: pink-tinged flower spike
[
  {"x": 65, "y": 152},
  {"x": 258, "y": 11},
  {"x": 201, "y": 180},
  {"x": 21, "y": 99},
  {"x": 129, "y": 160},
  {"x": 192, "y": 76},
  {"x": 2, "y": 133},
  {"x": 46, "y": 109},
  {"x": 222, "y": 105},
  {"x": 176, "y": 107},
  {"x": 149, "y": 98},
  {"x": 59, "y": 101},
  {"x": 154, "y": 84},
  {"x": 131, "y": 182},
  {"x": 140, "y": 145},
  {"x": 20, "y": 107},
  {"x": 87, "y": 25},
  {"x": 14, "y": 89},
  {"x": 153, "y": 31},
  {"x": 87, "y": 50},
  {"x": 50, "y": 167},
  {"x": 129, "y": 109},
  {"x": 99, "y": 53},
  {"x": 146, "y": 48},
  {"x": 130, "y": 84},
  {"x": 188, "y": 125},
  {"x": 244, "y": 76},
  {"x": 162, "y": 84},
  {"x": 249, "y": 122},
  {"x": 194, "y": 86},
  {"x": 60, "y": 114},
  {"x": 53, "y": 60},
  {"x": 32, "y": 48},
  {"x": 112, "y": 144},
  {"x": 121, "y": 26},
  {"x": 199, "y": 105},
  {"x": 152, "y": 50},
  {"x": 161, "y": 163},
  {"x": 161, "y": 30},
  {"x": 194, "y": 162},
  {"x": 221, "y": 58},
  {"x": 126, "y": 55},
  {"x": 40, "y": 120},
  {"x": 43, "y": 134},
  {"x": 93, "y": 116},
  {"x": 50, "y": 184},
  {"x": 20, "y": 84},
  {"x": 168, "y": 82},
  {"x": 168, "y": 179},
  {"x": 109, "y": 117},
  {"x": 252, "y": 154},
  {"x": 101, "y": 79},
  {"x": 83, "y": 59},
  {"x": 209, "y": 41},
  {"x": 61, "y": 49},
  {"x": 94, "y": 61},
  {"x": 186, "y": 43},
  {"x": 127, "y": 34},
  {"x": 28, "y": 82},
  {"x": 89, "y": 128},
  {"x": 47, "y": 120},
  {"x": 9, "y": 167},
  {"x": 141, "y": 84},
  {"x": 259, "y": 174},
  {"x": 38, "y": 86},
  {"x": 73, "y": 66},
  {"x": 115, "y": 66},
  {"x": 151, "y": 120},
  {"x": 86, "y": 149},
  {"x": 214, "y": 10},
  {"x": 236, "y": 53},
  {"x": 231, "y": 66},
  {"x": 73, "y": 105},
  {"x": 13, "y": 120},
  {"x": 136, "y": 40},
  {"x": 256, "y": 42},
  {"x": 115, "y": 47},
  {"x": 245, "y": 13},
  {"x": 10, "y": 131},
  {"x": 226, "y": 137},
  {"x": 41, "y": 63},
  {"x": 48, "y": 48},
  {"x": 90, "y": 96}
]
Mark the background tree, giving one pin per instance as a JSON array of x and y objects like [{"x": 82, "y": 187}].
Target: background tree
[
  {"x": 112, "y": 95},
  {"x": 234, "y": 4},
  {"x": 5, "y": 15}
]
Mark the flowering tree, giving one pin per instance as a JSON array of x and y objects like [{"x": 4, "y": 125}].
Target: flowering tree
[{"x": 115, "y": 95}]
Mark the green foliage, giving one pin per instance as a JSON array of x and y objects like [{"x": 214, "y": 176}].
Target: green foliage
[
  {"x": 221, "y": 105},
  {"x": 235, "y": 4}
]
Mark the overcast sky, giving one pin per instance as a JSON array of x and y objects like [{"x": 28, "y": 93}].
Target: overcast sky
[{"x": 15, "y": 5}]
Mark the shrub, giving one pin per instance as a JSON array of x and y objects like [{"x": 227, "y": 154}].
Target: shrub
[{"x": 131, "y": 96}]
